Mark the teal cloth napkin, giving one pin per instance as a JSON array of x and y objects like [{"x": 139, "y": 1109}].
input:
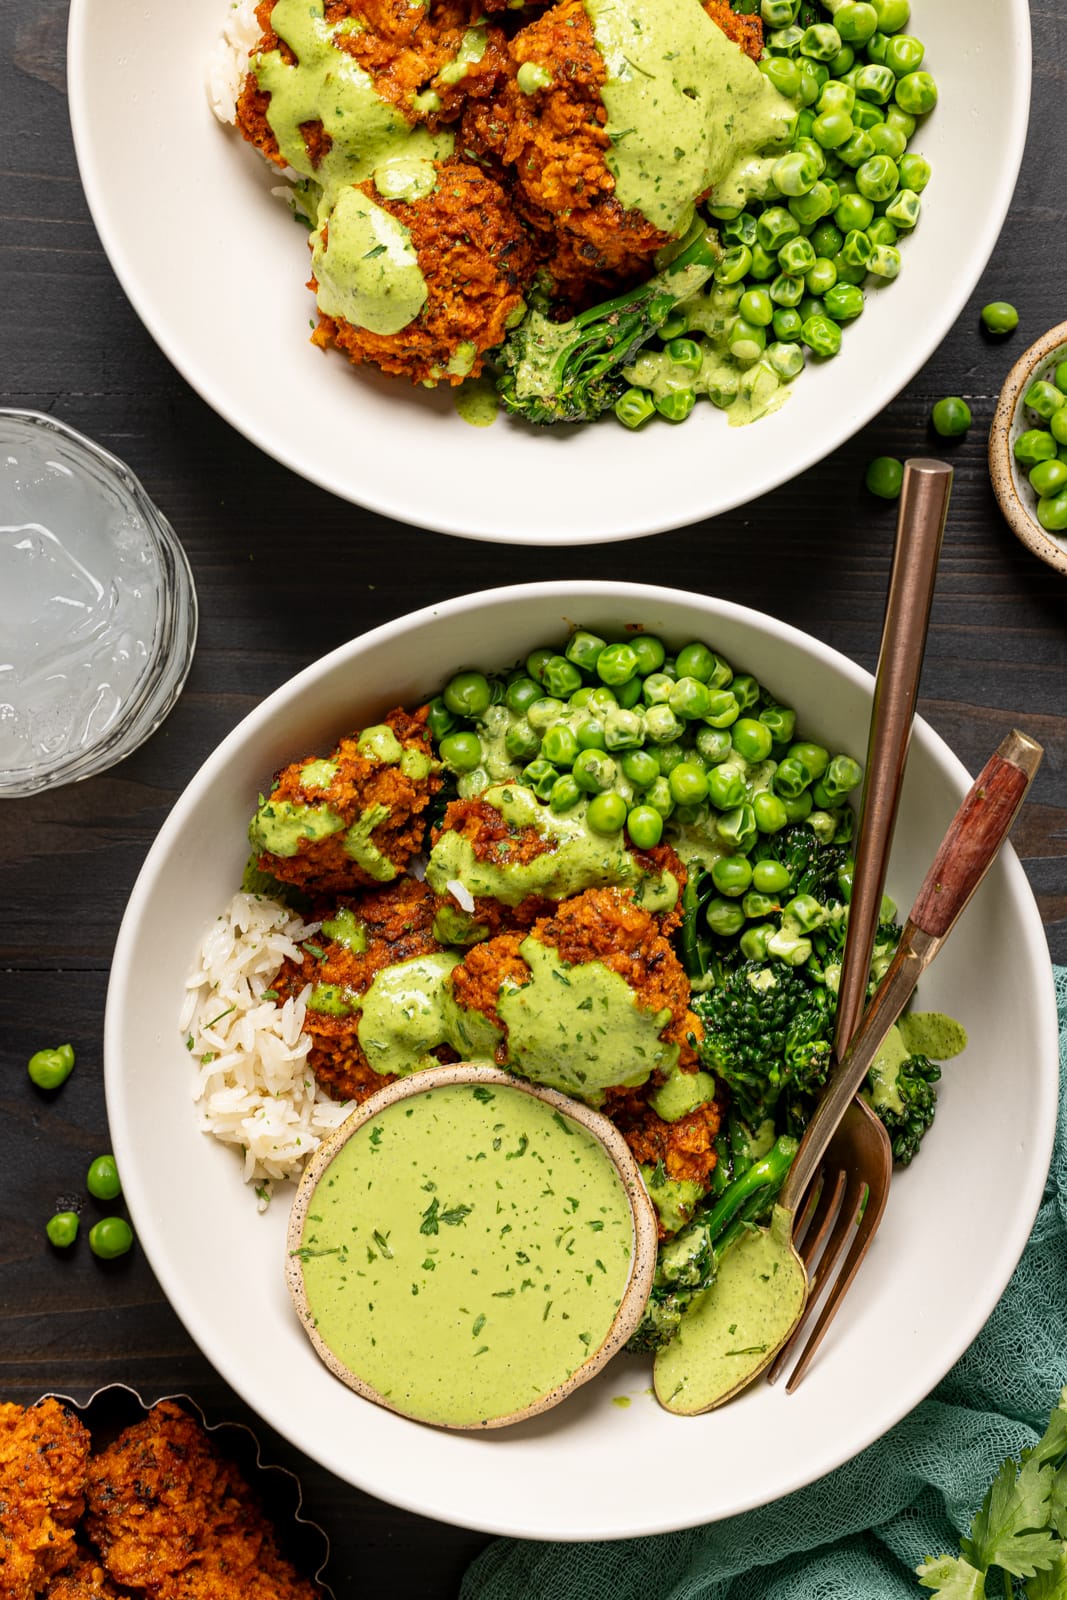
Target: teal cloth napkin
[{"x": 858, "y": 1533}]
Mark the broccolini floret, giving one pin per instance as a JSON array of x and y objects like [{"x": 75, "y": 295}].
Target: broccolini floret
[
  {"x": 573, "y": 371},
  {"x": 902, "y": 1094},
  {"x": 766, "y": 1029}
]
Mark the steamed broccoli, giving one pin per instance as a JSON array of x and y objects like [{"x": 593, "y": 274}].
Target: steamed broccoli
[
  {"x": 688, "y": 1263},
  {"x": 900, "y": 1090},
  {"x": 766, "y": 1029},
  {"x": 573, "y": 371}
]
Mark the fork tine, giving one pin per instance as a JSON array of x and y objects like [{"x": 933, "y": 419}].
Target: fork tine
[
  {"x": 841, "y": 1214},
  {"x": 822, "y": 1214},
  {"x": 865, "y": 1231}
]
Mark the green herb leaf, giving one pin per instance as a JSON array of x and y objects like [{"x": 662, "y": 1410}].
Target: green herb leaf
[{"x": 952, "y": 1579}]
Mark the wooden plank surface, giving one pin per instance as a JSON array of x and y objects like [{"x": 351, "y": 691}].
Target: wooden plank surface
[{"x": 70, "y": 344}]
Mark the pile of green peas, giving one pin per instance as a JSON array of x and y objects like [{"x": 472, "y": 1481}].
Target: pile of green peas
[
  {"x": 835, "y": 208},
  {"x": 645, "y": 741},
  {"x": 1042, "y": 448}
]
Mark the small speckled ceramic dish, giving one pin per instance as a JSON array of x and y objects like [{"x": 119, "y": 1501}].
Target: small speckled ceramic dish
[
  {"x": 1010, "y": 482},
  {"x": 111, "y": 1410},
  {"x": 522, "y": 1254}
]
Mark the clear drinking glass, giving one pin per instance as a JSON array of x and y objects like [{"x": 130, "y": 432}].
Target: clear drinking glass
[{"x": 98, "y": 611}]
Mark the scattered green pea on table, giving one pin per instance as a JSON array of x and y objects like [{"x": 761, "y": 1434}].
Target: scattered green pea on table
[
  {"x": 62, "y": 1229},
  {"x": 951, "y": 417},
  {"x": 102, "y": 1179},
  {"x": 885, "y": 477},
  {"x": 110, "y": 1237},
  {"x": 49, "y": 1069}
]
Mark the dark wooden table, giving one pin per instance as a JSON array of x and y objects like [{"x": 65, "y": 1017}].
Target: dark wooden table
[{"x": 285, "y": 573}]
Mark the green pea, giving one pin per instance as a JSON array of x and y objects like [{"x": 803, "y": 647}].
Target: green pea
[
  {"x": 1052, "y": 512},
  {"x": 915, "y": 173},
  {"x": 904, "y": 54},
  {"x": 639, "y": 767},
  {"x": 713, "y": 745},
  {"x": 726, "y": 788},
  {"x": 875, "y": 83},
  {"x": 659, "y": 797},
  {"x": 110, "y": 1237},
  {"x": 684, "y": 353},
  {"x": 560, "y": 677},
  {"x": 951, "y": 417},
  {"x": 878, "y": 179},
  {"x": 1059, "y": 376},
  {"x": 804, "y": 910},
  {"x": 888, "y": 142},
  {"x": 690, "y": 699},
  {"x": 737, "y": 828},
  {"x": 884, "y": 262},
  {"x": 820, "y": 42},
  {"x": 831, "y": 129},
  {"x": 810, "y": 208},
  {"x": 583, "y": 648},
  {"x": 786, "y": 293},
  {"x": 734, "y": 265},
  {"x": 644, "y": 824},
  {"x": 795, "y": 173},
  {"x": 882, "y": 231},
  {"x": 1044, "y": 398},
  {"x": 796, "y": 258},
  {"x": 787, "y": 322},
  {"x": 786, "y": 359},
  {"x": 757, "y": 306},
  {"x": 1048, "y": 478},
  {"x": 467, "y": 694},
  {"x": 745, "y": 690},
  {"x": 656, "y": 688},
  {"x": 634, "y": 407},
  {"x": 783, "y": 73},
  {"x": 798, "y": 808},
  {"x": 536, "y": 661},
  {"x": 781, "y": 720},
  {"x": 778, "y": 13},
  {"x": 676, "y": 405},
  {"x": 841, "y": 777},
  {"x": 48, "y": 1069},
  {"x": 869, "y": 117},
  {"x": 669, "y": 756},
  {"x": 521, "y": 693},
  {"x": 1057, "y": 425},
  {"x": 827, "y": 239},
  {"x": 885, "y": 477},
  {"x": 856, "y": 250},
  {"x": 1033, "y": 446},
  {"x": 892, "y": 15},
  {"x": 602, "y": 700},
  {"x": 593, "y": 772},
  {"x": 616, "y": 664},
  {"x": 689, "y": 784},
  {"x": 754, "y": 943},
  {"x": 855, "y": 21},
  {"x": 857, "y": 150},
  {"x": 791, "y": 778},
  {"x": 662, "y": 726},
  {"x": 723, "y": 709},
  {"x": 540, "y": 776},
  {"x": 822, "y": 336},
  {"x": 731, "y": 875},
  {"x": 814, "y": 757},
  {"x": 560, "y": 745},
  {"x": 590, "y": 734},
  {"x": 768, "y": 811},
  {"x": 623, "y": 729},
  {"x": 844, "y": 302},
  {"x": 999, "y": 316},
  {"x": 606, "y": 813},
  {"x": 822, "y": 277},
  {"x": 916, "y": 93},
  {"x": 62, "y": 1229},
  {"x": 543, "y": 712},
  {"x": 438, "y": 718},
  {"x": 564, "y": 793},
  {"x": 904, "y": 209},
  {"x": 521, "y": 742},
  {"x": 747, "y": 340},
  {"x": 650, "y": 652},
  {"x": 771, "y": 877},
  {"x": 102, "y": 1179},
  {"x": 758, "y": 905},
  {"x": 725, "y": 918}
]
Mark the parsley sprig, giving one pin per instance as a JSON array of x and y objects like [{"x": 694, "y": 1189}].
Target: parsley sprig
[{"x": 1020, "y": 1531}]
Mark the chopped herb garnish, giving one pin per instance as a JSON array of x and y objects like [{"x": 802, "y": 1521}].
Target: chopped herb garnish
[
  {"x": 219, "y": 1018},
  {"x": 382, "y": 1241},
  {"x": 560, "y": 1119},
  {"x": 483, "y": 1094},
  {"x": 479, "y": 1324}
]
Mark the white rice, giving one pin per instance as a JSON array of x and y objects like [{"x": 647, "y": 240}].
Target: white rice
[
  {"x": 229, "y": 61},
  {"x": 253, "y": 1086}
]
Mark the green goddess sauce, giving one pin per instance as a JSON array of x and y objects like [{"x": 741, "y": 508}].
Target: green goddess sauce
[
  {"x": 367, "y": 267},
  {"x": 465, "y": 1252},
  {"x": 687, "y": 110}
]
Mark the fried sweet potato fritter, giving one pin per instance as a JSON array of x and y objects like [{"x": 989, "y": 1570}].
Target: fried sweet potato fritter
[
  {"x": 44, "y": 1453},
  {"x": 361, "y": 782},
  {"x": 475, "y": 259},
  {"x": 171, "y": 1516}
]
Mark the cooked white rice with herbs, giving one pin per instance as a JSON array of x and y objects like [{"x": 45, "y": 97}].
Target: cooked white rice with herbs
[{"x": 253, "y": 1085}]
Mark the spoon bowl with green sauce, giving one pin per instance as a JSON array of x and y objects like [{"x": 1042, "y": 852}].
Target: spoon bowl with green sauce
[{"x": 468, "y": 1249}]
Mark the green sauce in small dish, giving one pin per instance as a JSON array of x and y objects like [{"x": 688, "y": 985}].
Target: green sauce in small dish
[{"x": 468, "y": 1249}]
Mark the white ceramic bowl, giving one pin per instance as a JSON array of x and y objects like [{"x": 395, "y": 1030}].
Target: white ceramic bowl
[
  {"x": 216, "y": 271},
  {"x": 581, "y": 1471}
]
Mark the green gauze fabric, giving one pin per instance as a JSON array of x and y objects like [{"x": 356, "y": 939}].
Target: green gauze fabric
[{"x": 858, "y": 1533}]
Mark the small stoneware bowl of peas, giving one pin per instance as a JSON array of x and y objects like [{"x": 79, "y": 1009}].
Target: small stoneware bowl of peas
[{"x": 1028, "y": 448}]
